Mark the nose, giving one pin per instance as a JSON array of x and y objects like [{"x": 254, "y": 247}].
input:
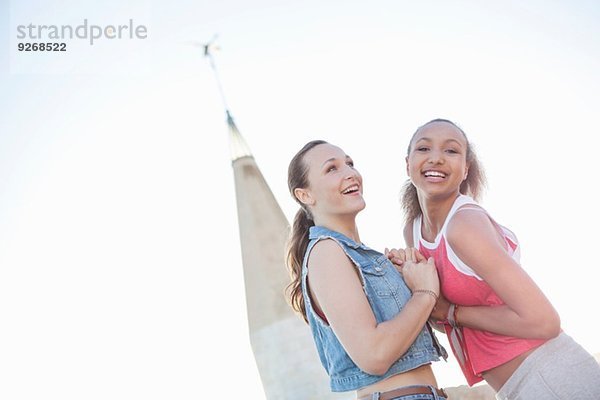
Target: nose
[
  {"x": 436, "y": 157},
  {"x": 351, "y": 172}
]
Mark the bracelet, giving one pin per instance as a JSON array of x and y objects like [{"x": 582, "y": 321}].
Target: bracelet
[
  {"x": 429, "y": 292},
  {"x": 452, "y": 316}
]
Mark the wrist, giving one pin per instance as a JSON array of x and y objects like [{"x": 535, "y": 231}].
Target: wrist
[
  {"x": 442, "y": 310},
  {"x": 449, "y": 316},
  {"x": 429, "y": 295},
  {"x": 427, "y": 292},
  {"x": 438, "y": 313},
  {"x": 452, "y": 316}
]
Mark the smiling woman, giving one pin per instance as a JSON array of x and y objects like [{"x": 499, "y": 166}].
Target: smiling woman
[
  {"x": 500, "y": 325},
  {"x": 369, "y": 322}
]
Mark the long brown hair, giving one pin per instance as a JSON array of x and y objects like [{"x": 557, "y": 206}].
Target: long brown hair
[
  {"x": 298, "y": 240},
  {"x": 472, "y": 186}
]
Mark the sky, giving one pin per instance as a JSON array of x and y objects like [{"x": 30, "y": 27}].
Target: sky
[{"x": 120, "y": 264}]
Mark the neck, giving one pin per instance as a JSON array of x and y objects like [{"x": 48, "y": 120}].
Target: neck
[
  {"x": 435, "y": 211},
  {"x": 344, "y": 225}
]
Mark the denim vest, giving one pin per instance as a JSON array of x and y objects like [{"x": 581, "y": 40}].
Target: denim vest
[{"x": 387, "y": 294}]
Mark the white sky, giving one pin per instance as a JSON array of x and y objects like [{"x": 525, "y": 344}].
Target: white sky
[{"x": 120, "y": 266}]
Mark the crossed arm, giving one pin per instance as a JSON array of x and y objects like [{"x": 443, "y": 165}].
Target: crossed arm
[
  {"x": 527, "y": 313},
  {"x": 336, "y": 288}
]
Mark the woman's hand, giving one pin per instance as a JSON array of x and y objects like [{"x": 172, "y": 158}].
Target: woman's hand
[
  {"x": 407, "y": 261},
  {"x": 399, "y": 256},
  {"x": 396, "y": 256},
  {"x": 419, "y": 273}
]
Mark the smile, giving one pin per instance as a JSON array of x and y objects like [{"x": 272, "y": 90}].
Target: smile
[
  {"x": 434, "y": 174},
  {"x": 350, "y": 189}
]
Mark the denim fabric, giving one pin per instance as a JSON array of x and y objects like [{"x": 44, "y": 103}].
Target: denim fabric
[
  {"x": 430, "y": 396},
  {"x": 387, "y": 294},
  {"x": 420, "y": 397}
]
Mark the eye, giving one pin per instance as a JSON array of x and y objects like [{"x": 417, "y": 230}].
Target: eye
[
  {"x": 331, "y": 168},
  {"x": 453, "y": 151},
  {"x": 350, "y": 163},
  {"x": 422, "y": 148}
]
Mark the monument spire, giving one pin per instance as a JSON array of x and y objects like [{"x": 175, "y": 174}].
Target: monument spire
[
  {"x": 283, "y": 348},
  {"x": 237, "y": 145}
]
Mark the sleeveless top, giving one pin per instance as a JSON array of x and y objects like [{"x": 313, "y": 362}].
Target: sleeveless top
[
  {"x": 476, "y": 351},
  {"x": 387, "y": 294}
]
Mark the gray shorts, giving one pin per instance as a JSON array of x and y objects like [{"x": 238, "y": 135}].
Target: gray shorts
[{"x": 560, "y": 369}]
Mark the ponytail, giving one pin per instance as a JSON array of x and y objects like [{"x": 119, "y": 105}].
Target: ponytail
[
  {"x": 410, "y": 202},
  {"x": 297, "y": 246},
  {"x": 298, "y": 240}
]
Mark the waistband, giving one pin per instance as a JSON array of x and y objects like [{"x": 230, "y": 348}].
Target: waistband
[{"x": 405, "y": 391}]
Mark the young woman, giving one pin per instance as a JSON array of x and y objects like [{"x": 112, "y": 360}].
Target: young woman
[
  {"x": 500, "y": 325},
  {"x": 369, "y": 322}
]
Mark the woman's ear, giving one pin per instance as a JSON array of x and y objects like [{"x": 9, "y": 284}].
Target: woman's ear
[
  {"x": 304, "y": 196},
  {"x": 406, "y": 159}
]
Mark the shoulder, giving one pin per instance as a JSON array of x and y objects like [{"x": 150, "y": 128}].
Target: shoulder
[
  {"x": 329, "y": 267},
  {"x": 474, "y": 237},
  {"x": 327, "y": 252},
  {"x": 469, "y": 217},
  {"x": 471, "y": 224}
]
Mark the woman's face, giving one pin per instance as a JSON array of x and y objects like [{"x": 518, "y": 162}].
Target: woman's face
[
  {"x": 334, "y": 185},
  {"x": 437, "y": 161}
]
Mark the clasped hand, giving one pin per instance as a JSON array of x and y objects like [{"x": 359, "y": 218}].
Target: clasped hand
[{"x": 419, "y": 273}]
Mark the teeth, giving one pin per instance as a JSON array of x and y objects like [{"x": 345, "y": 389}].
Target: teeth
[
  {"x": 352, "y": 188},
  {"x": 435, "y": 173}
]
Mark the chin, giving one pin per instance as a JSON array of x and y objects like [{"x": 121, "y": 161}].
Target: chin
[{"x": 361, "y": 206}]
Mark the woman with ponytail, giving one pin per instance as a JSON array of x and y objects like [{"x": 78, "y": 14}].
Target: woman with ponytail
[
  {"x": 368, "y": 319},
  {"x": 499, "y": 323}
]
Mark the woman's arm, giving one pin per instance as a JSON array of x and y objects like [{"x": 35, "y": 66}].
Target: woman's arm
[
  {"x": 336, "y": 288},
  {"x": 409, "y": 241},
  {"x": 527, "y": 313}
]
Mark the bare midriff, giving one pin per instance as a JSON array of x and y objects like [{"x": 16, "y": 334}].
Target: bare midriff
[
  {"x": 422, "y": 375},
  {"x": 497, "y": 377}
]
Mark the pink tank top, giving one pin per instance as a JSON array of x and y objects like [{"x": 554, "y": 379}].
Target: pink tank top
[{"x": 476, "y": 351}]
